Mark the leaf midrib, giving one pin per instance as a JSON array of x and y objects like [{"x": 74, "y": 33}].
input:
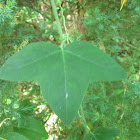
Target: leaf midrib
[{"x": 64, "y": 63}]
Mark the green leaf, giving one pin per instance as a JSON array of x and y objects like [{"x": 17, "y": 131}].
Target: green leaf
[
  {"x": 32, "y": 129},
  {"x": 15, "y": 136},
  {"x": 26, "y": 107},
  {"x": 63, "y": 74},
  {"x": 102, "y": 133},
  {"x": 89, "y": 136}
]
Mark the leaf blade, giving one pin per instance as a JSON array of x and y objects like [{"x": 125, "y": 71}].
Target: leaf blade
[
  {"x": 32, "y": 129},
  {"x": 63, "y": 74}
]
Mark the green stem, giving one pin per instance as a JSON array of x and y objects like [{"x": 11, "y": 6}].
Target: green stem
[
  {"x": 84, "y": 120},
  {"x": 64, "y": 22},
  {"x": 57, "y": 19}
]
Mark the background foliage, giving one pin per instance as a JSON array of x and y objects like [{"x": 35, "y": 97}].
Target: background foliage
[{"x": 106, "y": 104}]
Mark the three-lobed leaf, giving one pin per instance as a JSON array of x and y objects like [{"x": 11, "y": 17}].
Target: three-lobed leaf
[{"x": 63, "y": 74}]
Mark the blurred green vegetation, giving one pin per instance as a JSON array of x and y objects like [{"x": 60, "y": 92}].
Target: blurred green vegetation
[{"x": 106, "y": 104}]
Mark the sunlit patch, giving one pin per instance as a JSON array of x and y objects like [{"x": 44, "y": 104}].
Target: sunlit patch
[
  {"x": 66, "y": 95},
  {"x": 41, "y": 108},
  {"x": 25, "y": 93},
  {"x": 49, "y": 126},
  {"x": 34, "y": 101}
]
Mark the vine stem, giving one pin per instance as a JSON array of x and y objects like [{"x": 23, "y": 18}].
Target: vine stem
[
  {"x": 4, "y": 121},
  {"x": 57, "y": 19},
  {"x": 64, "y": 22},
  {"x": 2, "y": 138},
  {"x": 2, "y": 124},
  {"x": 84, "y": 120}
]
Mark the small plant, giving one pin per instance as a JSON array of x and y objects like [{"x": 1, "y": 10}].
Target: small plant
[{"x": 63, "y": 74}]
